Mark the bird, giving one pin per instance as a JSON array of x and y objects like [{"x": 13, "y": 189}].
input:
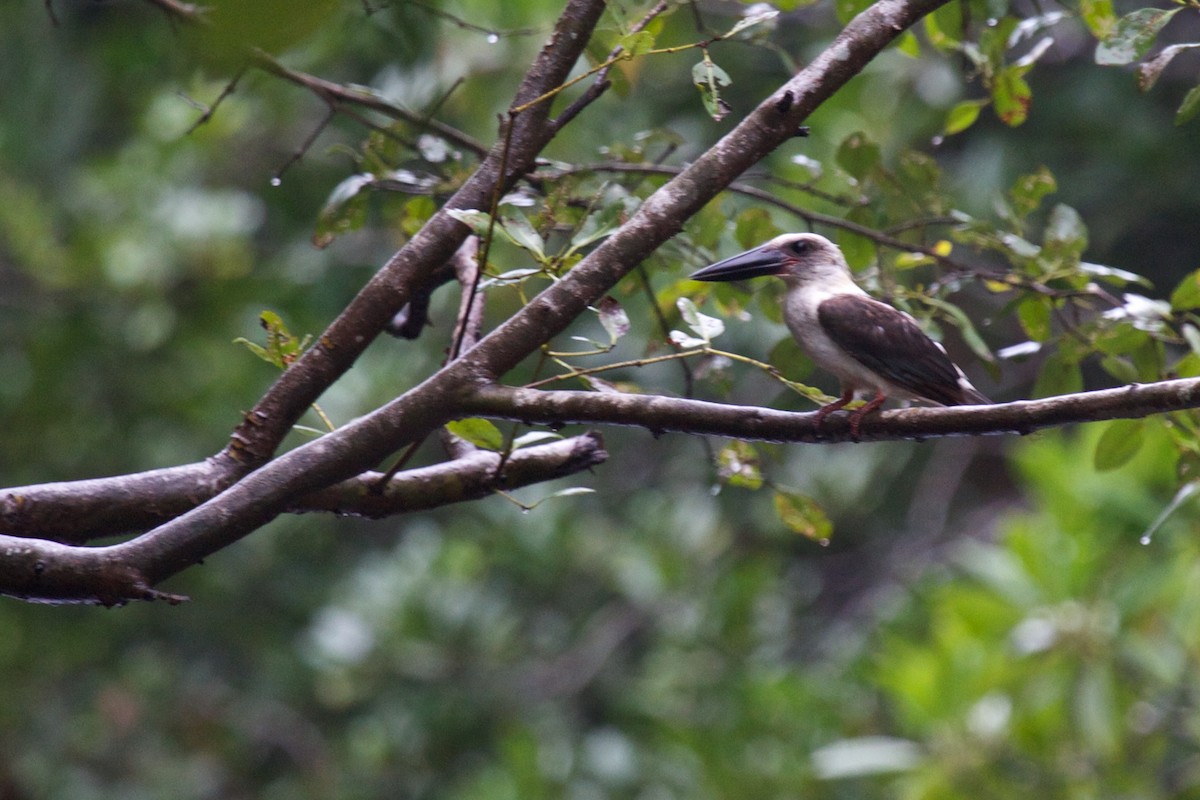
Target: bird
[{"x": 872, "y": 348}]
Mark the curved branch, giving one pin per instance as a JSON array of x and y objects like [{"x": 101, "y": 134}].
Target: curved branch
[
  {"x": 472, "y": 477},
  {"x": 659, "y": 414}
]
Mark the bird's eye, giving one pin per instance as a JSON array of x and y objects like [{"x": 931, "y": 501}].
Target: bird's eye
[{"x": 800, "y": 247}]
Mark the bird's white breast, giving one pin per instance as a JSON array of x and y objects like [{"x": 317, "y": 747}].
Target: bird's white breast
[{"x": 800, "y": 313}]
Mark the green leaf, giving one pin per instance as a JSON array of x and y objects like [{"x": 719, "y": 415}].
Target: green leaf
[
  {"x": 1065, "y": 237},
  {"x": 1121, "y": 440},
  {"x": 1060, "y": 375},
  {"x": 966, "y": 328},
  {"x": 478, "y": 221},
  {"x": 1189, "y": 106},
  {"x": 1133, "y": 35},
  {"x": 1099, "y": 17},
  {"x": 1187, "y": 293},
  {"x": 941, "y": 27},
  {"x": 963, "y": 116},
  {"x": 1034, "y": 312},
  {"x": 738, "y": 465},
  {"x": 638, "y": 43},
  {"x": 479, "y": 432},
  {"x": 709, "y": 79},
  {"x": 858, "y": 250},
  {"x": 754, "y": 226},
  {"x": 523, "y": 234},
  {"x": 282, "y": 348},
  {"x": 908, "y": 45},
  {"x": 858, "y": 155},
  {"x": 1029, "y": 190},
  {"x": 849, "y": 9},
  {"x": 791, "y": 361},
  {"x": 802, "y": 515},
  {"x": 1012, "y": 95}
]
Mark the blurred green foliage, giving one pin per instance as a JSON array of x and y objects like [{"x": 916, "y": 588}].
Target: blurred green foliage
[{"x": 984, "y": 622}]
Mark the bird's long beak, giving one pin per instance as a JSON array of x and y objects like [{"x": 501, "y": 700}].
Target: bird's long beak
[{"x": 750, "y": 264}]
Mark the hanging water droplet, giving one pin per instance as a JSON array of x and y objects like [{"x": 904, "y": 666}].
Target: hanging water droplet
[
  {"x": 276, "y": 180},
  {"x": 937, "y": 141},
  {"x": 1145, "y": 539},
  {"x": 493, "y": 37}
]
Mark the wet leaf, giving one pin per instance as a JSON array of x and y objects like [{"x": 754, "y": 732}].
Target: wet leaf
[
  {"x": 478, "y": 221},
  {"x": 1149, "y": 71},
  {"x": 613, "y": 318},
  {"x": 344, "y": 211},
  {"x": 802, "y": 515},
  {"x": 858, "y": 155},
  {"x": 704, "y": 326},
  {"x": 1189, "y": 106},
  {"x": 1121, "y": 440},
  {"x": 754, "y": 226},
  {"x": 738, "y": 465},
  {"x": 751, "y": 20},
  {"x": 1133, "y": 35},
  {"x": 1187, "y": 293},
  {"x": 523, "y": 234},
  {"x": 1029, "y": 190},
  {"x": 637, "y": 43},
  {"x": 710, "y": 79},
  {"x": 1012, "y": 95},
  {"x": 963, "y": 116},
  {"x": 479, "y": 432},
  {"x": 1099, "y": 17}
]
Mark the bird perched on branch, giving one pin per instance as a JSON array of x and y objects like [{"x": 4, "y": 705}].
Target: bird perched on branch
[{"x": 871, "y": 347}]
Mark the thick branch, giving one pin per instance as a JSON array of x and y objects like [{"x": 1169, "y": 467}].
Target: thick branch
[
  {"x": 47, "y": 571},
  {"x": 660, "y": 414}
]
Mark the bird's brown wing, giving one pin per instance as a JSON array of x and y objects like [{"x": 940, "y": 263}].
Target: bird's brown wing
[{"x": 891, "y": 344}]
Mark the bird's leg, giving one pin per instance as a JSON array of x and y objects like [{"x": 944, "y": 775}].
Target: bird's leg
[
  {"x": 857, "y": 414},
  {"x": 841, "y": 402}
]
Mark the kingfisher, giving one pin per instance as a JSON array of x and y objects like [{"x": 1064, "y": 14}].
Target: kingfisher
[{"x": 873, "y": 349}]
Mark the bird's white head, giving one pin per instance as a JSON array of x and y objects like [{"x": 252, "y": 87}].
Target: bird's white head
[{"x": 799, "y": 258}]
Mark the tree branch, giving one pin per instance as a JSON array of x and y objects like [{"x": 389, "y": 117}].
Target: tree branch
[
  {"x": 660, "y": 414},
  {"x": 77, "y": 512},
  {"x": 472, "y": 477},
  {"x": 47, "y": 570}
]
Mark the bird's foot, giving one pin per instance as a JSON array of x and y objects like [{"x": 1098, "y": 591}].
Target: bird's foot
[{"x": 856, "y": 416}]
